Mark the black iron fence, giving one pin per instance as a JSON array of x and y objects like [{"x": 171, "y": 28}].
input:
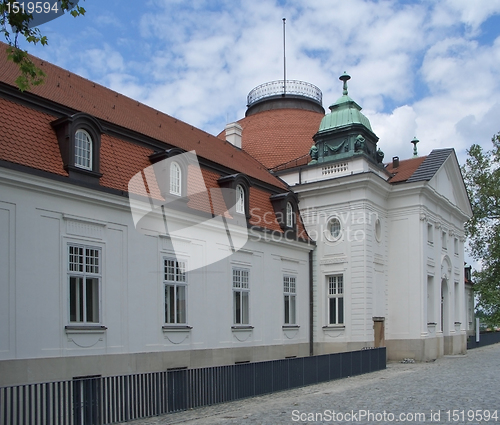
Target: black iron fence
[
  {"x": 485, "y": 338},
  {"x": 105, "y": 400}
]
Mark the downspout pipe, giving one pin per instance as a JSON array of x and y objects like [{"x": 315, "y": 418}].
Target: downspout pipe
[{"x": 311, "y": 305}]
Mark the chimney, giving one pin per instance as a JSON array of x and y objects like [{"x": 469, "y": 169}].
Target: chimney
[
  {"x": 395, "y": 161},
  {"x": 233, "y": 134}
]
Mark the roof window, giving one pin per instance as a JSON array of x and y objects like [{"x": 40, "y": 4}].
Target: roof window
[{"x": 79, "y": 138}]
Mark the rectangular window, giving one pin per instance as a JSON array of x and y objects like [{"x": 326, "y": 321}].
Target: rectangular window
[
  {"x": 241, "y": 292},
  {"x": 290, "y": 294},
  {"x": 335, "y": 300},
  {"x": 84, "y": 272},
  {"x": 444, "y": 240},
  {"x": 174, "y": 280},
  {"x": 430, "y": 234},
  {"x": 468, "y": 273},
  {"x": 289, "y": 215},
  {"x": 457, "y": 303},
  {"x": 455, "y": 244},
  {"x": 430, "y": 299}
]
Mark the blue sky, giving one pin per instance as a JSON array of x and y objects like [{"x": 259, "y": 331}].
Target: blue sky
[{"x": 426, "y": 68}]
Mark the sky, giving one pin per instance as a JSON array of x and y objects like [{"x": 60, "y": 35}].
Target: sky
[{"x": 425, "y": 69}]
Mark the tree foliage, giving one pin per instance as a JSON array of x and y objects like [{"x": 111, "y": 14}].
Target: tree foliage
[
  {"x": 482, "y": 177},
  {"x": 15, "y": 23}
]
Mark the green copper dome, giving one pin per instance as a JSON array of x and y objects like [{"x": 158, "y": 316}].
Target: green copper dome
[
  {"x": 345, "y": 133},
  {"x": 344, "y": 112}
]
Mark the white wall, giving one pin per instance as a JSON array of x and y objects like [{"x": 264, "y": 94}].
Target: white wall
[
  {"x": 417, "y": 258},
  {"x": 386, "y": 276},
  {"x": 358, "y": 201},
  {"x": 38, "y": 218}
]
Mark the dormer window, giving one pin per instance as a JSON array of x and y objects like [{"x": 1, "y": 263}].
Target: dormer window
[
  {"x": 175, "y": 179},
  {"x": 79, "y": 138},
  {"x": 171, "y": 170},
  {"x": 289, "y": 215},
  {"x": 286, "y": 209},
  {"x": 83, "y": 150},
  {"x": 240, "y": 199},
  {"x": 236, "y": 194}
]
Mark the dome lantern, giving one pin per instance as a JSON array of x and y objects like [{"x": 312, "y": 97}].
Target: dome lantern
[{"x": 345, "y": 132}]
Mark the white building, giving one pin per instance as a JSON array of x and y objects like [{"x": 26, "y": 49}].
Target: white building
[
  {"x": 388, "y": 265},
  {"x": 122, "y": 251},
  {"x": 134, "y": 242}
]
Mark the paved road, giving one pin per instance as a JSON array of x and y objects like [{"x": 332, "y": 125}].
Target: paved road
[{"x": 468, "y": 384}]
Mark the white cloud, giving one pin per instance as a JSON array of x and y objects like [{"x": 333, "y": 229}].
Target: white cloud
[
  {"x": 109, "y": 20},
  {"x": 418, "y": 68},
  {"x": 396, "y": 130},
  {"x": 479, "y": 128},
  {"x": 125, "y": 84},
  {"x": 472, "y": 13},
  {"x": 103, "y": 60}
]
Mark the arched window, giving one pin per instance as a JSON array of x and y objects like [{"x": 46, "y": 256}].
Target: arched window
[
  {"x": 175, "y": 179},
  {"x": 240, "y": 199},
  {"x": 83, "y": 150},
  {"x": 289, "y": 215}
]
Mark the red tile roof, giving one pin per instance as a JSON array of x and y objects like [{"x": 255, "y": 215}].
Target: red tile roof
[
  {"x": 204, "y": 196},
  {"x": 27, "y": 138},
  {"x": 405, "y": 170},
  {"x": 80, "y": 94},
  {"x": 297, "y": 162},
  {"x": 260, "y": 206},
  {"x": 120, "y": 161},
  {"x": 277, "y": 136}
]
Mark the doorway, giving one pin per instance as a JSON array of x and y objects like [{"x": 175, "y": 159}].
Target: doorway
[{"x": 379, "y": 331}]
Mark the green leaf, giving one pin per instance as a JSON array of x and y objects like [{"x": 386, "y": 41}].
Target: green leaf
[
  {"x": 481, "y": 174},
  {"x": 30, "y": 74}
]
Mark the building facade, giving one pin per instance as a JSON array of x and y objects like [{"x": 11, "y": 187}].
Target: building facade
[
  {"x": 388, "y": 262},
  {"x": 134, "y": 242}
]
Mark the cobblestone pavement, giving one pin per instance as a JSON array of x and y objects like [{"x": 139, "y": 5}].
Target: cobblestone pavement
[{"x": 468, "y": 385}]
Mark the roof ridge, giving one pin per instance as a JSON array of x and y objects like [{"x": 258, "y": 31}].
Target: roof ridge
[
  {"x": 289, "y": 162},
  {"x": 431, "y": 164},
  {"x": 406, "y": 159}
]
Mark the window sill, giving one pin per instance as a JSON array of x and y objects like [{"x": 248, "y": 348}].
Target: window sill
[
  {"x": 285, "y": 327},
  {"x": 179, "y": 199},
  {"x": 176, "y": 328},
  {"x": 82, "y": 174},
  {"x": 85, "y": 329},
  {"x": 333, "y": 327},
  {"x": 236, "y": 328}
]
